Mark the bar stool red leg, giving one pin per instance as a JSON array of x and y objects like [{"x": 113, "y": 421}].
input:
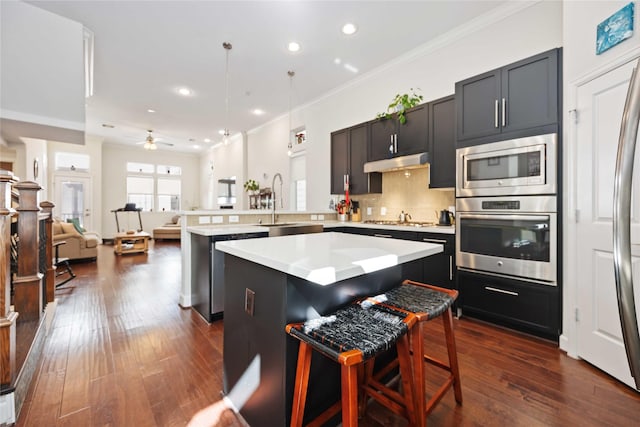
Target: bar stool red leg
[{"x": 300, "y": 387}]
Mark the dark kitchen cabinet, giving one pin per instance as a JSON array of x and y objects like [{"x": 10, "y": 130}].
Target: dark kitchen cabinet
[
  {"x": 526, "y": 306},
  {"x": 442, "y": 143},
  {"x": 439, "y": 269},
  {"x": 514, "y": 101},
  {"x": 348, "y": 156},
  {"x": 389, "y": 138}
]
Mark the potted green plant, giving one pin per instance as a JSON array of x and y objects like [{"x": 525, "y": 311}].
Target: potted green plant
[
  {"x": 399, "y": 104},
  {"x": 251, "y": 186}
]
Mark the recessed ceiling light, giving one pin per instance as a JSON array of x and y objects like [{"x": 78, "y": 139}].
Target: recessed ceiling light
[
  {"x": 106, "y": 125},
  {"x": 207, "y": 140},
  {"x": 258, "y": 112},
  {"x": 351, "y": 68},
  {"x": 337, "y": 61},
  {"x": 221, "y": 131},
  {"x": 349, "y": 28},
  {"x": 185, "y": 91},
  {"x": 293, "y": 47},
  {"x": 151, "y": 110},
  {"x": 196, "y": 146}
]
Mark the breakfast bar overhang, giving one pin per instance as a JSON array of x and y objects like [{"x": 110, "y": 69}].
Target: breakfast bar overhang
[{"x": 270, "y": 282}]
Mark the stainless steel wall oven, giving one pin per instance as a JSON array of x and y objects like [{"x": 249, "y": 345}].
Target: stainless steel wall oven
[{"x": 508, "y": 236}]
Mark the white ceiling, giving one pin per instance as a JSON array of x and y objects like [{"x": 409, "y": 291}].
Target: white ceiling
[{"x": 145, "y": 50}]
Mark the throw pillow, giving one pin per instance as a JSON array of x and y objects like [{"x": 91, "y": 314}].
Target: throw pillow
[
  {"x": 76, "y": 224},
  {"x": 175, "y": 219}
]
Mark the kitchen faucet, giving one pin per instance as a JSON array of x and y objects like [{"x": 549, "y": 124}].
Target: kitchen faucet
[{"x": 273, "y": 196}]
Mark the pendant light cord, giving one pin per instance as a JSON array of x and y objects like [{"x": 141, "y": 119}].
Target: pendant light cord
[
  {"x": 227, "y": 47},
  {"x": 290, "y": 74}
]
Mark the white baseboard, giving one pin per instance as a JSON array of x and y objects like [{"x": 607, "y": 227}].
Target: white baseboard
[{"x": 7, "y": 409}]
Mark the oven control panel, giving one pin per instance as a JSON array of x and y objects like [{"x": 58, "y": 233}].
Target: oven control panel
[{"x": 510, "y": 205}]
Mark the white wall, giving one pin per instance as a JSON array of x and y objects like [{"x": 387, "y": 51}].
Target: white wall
[
  {"x": 580, "y": 62},
  {"x": 42, "y": 67},
  {"x": 36, "y": 151},
  {"x": 519, "y": 30},
  {"x": 114, "y": 188}
]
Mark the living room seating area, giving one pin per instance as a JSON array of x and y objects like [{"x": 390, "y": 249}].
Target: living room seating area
[
  {"x": 170, "y": 230},
  {"x": 79, "y": 244}
]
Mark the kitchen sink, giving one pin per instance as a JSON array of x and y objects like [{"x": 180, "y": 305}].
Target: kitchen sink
[{"x": 286, "y": 229}]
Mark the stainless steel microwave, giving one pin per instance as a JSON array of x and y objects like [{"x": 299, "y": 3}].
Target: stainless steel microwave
[{"x": 512, "y": 167}]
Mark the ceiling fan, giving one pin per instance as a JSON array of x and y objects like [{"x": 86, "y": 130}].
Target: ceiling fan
[{"x": 150, "y": 143}]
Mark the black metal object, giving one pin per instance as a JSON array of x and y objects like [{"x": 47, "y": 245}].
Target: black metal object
[{"x": 128, "y": 207}]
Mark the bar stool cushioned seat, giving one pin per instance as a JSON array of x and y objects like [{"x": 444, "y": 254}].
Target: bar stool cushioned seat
[
  {"x": 350, "y": 336},
  {"x": 428, "y": 302}
]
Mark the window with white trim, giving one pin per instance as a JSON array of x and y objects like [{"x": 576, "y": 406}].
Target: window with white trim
[
  {"x": 154, "y": 187},
  {"x": 298, "y": 192},
  {"x": 76, "y": 162}
]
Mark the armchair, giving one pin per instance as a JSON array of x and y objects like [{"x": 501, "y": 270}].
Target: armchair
[{"x": 78, "y": 245}]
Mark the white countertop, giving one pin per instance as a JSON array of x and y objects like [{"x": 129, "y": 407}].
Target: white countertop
[
  {"x": 449, "y": 229},
  {"x": 217, "y": 230},
  {"x": 326, "y": 258}
]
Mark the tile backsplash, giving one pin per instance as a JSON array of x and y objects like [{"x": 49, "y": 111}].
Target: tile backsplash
[{"x": 408, "y": 191}]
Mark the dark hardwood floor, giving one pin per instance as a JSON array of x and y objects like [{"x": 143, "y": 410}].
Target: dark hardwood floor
[{"x": 121, "y": 352}]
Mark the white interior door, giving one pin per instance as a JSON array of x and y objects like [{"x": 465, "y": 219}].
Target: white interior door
[
  {"x": 73, "y": 198},
  {"x": 600, "y": 104}
]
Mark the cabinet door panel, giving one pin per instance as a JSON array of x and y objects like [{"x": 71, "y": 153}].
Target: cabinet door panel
[
  {"x": 475, "y": 104},
  {"x": 357, "y": 158},
  {"x": 437, "y": 270},
  {"x": 382, "y": 132},
  {"x": 339, "y": 160},
  {"x": 524, "y": 306},
  {"x": 530, "y": 89},
  {"x": 413, "y": 135},
  {"x": 442, "y": 149}
]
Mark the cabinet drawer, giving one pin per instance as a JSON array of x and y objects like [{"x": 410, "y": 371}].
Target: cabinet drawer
[
  {"x": 525, "y": 306},
  {"x": 448, "y": 240}
]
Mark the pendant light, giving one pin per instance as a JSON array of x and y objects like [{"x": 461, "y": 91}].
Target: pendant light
[
  {"x": 225, "y": 139},
  {"x": 289, "y": 144}
]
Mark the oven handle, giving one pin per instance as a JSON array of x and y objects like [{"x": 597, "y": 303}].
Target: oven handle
[{"x": 462, "y": 216}]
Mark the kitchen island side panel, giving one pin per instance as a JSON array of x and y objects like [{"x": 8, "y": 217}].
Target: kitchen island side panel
[{"x": 282, "y": 299}]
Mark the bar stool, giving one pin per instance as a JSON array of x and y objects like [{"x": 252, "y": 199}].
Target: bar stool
[
  {"x": 351, "y": 336},
  {"x": 427, "y": 302}
]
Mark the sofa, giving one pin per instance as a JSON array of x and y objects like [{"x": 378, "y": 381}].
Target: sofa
[
  {"x": 78, "y": 244},
  {"x": 170, "y": 230}
]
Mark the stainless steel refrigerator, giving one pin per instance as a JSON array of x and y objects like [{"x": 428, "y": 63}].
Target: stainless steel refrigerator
[{"x": 622, "y": 225}]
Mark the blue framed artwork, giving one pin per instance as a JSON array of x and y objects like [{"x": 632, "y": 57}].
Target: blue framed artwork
[{"x": 615, "y": 29}]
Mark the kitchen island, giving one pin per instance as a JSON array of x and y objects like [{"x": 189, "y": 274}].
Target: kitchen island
[{"x": 270, "y": 282}]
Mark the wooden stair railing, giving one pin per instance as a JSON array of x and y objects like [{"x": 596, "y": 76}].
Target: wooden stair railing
[
  {"x": 27, "y": 283},
  {"x": 8, "y": 316},
  {"x": 49, "y": 269}
]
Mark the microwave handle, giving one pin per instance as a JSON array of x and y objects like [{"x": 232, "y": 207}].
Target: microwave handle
[{"x": 462, "y": 216}]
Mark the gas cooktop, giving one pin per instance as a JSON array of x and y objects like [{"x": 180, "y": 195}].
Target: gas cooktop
[{"x": 405, "y": 223}]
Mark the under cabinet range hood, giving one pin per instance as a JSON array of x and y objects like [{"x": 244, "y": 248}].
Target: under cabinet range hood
[{"x": 395, "y": 163}]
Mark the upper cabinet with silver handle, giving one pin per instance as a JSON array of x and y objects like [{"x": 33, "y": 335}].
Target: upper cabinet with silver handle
[
  {"x": 520, "y": 99},
  {"x": 388, "y": 138}
]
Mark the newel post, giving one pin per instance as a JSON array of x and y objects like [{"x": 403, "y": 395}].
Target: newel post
[
  {"x": 50, "y": 275},
  {"x": 28, "y": 281},
  {"x": 7, "y": 315}
]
